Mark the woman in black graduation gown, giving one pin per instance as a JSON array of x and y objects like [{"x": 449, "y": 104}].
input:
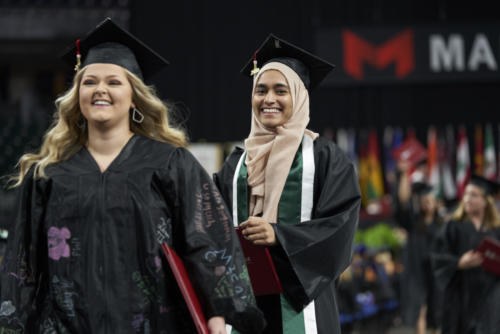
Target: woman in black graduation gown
[
  {"x": 472, "y": 294},
  {"x": 417, "y": 213},
  {"x": 293, "y": 192},
  {"x": 111, "y": 183}
]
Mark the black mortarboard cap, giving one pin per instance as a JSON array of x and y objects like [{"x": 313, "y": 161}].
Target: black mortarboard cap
[
  {"x": 110, "y": 44},
  {"x": 310, "y": 68},
  {"x": 489, "y": 187},
  {"x": 421, "y": 188}
]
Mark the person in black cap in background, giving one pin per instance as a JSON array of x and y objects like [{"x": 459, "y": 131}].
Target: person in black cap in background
[
  {"x": 417, "y": 213},
  {"x": 471, "y": 294},
  {"x": 111, "y": 182},
  {"x": 293, "y": 191}
]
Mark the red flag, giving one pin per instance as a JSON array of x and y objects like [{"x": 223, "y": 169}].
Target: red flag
[
  {"x": 478, "y": 151},
  {"x": 370, "y": 170},
  {"x": 432, "y": 158}
]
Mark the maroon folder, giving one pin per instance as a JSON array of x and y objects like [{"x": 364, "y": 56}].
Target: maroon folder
[
  {"x": 263, "y": 275},
  {"x": 410, "y": 150},
  {"x": 186, "y": 288},
  {"x": 490, "y": 249}
]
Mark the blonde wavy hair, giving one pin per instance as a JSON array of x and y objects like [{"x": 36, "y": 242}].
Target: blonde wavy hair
[
  {"x": 491, "y": 215},
  {"x": 64, "y": 138}
]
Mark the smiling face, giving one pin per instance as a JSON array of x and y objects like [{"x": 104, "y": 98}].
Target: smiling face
[
  {"x": 105, "y": 95},
  {"x": 272, "y": 102}
]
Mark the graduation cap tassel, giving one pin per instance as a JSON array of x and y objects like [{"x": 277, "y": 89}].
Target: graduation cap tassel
[
  {"x": 255, "y": 68},
  {"x": 78, "y": 56}
]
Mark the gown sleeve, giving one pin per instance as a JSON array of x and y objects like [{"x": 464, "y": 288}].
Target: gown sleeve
[
  {"x": 204, "y": 237},
  {"x": 312, "y": 254},
  {"x": 446, "y": 255},
  {"x": 24, "y": 262},
  {"x": 404, "y": 215}
]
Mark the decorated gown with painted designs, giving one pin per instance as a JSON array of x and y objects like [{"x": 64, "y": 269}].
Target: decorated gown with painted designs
[
  {"x": 84, "y": 253},
  {"x": 317, "y": 218}
]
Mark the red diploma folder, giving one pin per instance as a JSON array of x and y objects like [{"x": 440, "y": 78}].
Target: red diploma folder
[
  {"x": 186, "y": 288},
  {"x": 490, "y": 249},
  {"x": 263, "y": 275},
  {"x": 410, "y": 150}
]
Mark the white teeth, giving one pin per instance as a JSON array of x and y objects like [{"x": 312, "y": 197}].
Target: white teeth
[
  {"x": 102, "y": 103},
  {"x": 270, "y": 110}
]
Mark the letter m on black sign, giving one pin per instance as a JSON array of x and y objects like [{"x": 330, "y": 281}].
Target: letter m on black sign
[{"x": 398, "y": 50}]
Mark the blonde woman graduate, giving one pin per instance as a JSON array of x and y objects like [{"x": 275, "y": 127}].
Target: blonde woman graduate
[
  {"x": 471, "y": 293},
  {"x": 111, "y": 183},
  {"x": 293, "y": 191}
]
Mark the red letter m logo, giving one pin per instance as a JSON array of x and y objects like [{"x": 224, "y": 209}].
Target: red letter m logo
[{"x": 398, "y": 49}]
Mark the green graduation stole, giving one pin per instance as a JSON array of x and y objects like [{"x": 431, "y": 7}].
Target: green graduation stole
[{"x": 295, "y": 205}]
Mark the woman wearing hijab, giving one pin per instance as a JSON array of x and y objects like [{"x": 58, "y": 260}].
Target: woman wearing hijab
[
  {"x": 293, "y": 192},
  {"x": 471, "y": 293},
  {"x": 112, "y": 183}
]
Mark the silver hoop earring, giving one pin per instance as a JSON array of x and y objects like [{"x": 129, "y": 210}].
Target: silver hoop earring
[{"x": 137, "y": 116}]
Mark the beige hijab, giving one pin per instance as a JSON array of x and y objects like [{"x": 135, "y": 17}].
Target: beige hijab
[{"x": 270, "y": 152}]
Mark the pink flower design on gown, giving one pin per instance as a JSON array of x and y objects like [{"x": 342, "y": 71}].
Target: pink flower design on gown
[{"x": 57, "y": 242}]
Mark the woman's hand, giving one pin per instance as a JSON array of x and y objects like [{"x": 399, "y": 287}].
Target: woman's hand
[
  {"x": 258, "y": 232},
  {"x": 470, "y": 259},
  {"x": 217, "y": 325}
]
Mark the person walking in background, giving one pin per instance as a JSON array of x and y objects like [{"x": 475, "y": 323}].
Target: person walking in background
[
  {"x": 417, "y": 213},
  {"x": 472, "y": 294}
]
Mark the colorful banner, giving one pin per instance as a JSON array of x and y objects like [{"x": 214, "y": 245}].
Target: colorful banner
[
  {"x": 370, "y": 170},
  {"x": 490, "y": 162},
  {"x": 478, "y": 150},
  {"x": 448, "y": 187},
  {"x": 433, "y": 160},
  {"x": 463, "y": 161}
]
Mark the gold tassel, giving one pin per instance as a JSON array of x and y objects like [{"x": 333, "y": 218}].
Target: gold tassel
[
  {"x": 78, "y": 62},
  {"x": 78, "y": 56},
  {"x": 255, "y": 68}
]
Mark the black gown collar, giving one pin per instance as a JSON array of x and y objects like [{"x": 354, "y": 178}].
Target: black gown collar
[{"x": 124, "y": 154}]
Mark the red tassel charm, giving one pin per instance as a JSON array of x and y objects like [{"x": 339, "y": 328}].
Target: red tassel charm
[{"x": 78, "y": 56}]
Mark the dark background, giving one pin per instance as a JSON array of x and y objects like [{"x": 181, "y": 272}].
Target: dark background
[{"x": 207, "y": 43}]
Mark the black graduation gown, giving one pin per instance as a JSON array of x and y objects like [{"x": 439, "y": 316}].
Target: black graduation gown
[
  {"x": 418, "y": 285},
  {"x": 472, "y": 297},
  {"x": 311, "y": 255},
  {"x": 84, "y": 252}
]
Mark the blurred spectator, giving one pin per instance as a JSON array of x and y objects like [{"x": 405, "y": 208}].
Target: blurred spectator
[
  {"x": 472, "y": 294},
  {"x": 368, "y": 289},
  {"x": 417, "y": 213}
]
